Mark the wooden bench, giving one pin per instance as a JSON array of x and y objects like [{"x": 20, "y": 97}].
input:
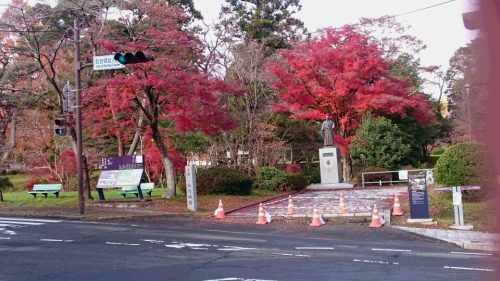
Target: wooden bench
[
  {"x": 45, "y": 189},
  {"x": 146, "y": 188}
]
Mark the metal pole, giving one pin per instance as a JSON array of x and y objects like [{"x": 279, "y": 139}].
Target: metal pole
[
  {"x": 78, "y": 85},
  {"x": 467, "y": 93}
]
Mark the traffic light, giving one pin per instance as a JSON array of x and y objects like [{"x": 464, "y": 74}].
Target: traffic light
[
  {"x": 60, "y": 126},
  {"x": 137, "y": 57}
]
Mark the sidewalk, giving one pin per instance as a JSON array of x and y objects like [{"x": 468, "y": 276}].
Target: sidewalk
[{"x": 470, "y": 240}]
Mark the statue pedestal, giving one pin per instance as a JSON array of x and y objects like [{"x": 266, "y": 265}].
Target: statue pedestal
[{"x": 330, "y": 166}]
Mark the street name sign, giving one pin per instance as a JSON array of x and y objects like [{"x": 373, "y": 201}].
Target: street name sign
[{"x": 106, "y": 62}]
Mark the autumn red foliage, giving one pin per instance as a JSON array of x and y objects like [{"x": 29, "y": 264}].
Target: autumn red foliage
[{"x": 343, "y": 74}]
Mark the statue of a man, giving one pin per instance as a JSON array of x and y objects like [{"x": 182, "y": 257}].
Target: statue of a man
[{"x": 327, "y": 131}]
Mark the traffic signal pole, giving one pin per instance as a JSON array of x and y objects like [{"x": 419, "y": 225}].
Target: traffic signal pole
[{"x": 78, "y": 84}]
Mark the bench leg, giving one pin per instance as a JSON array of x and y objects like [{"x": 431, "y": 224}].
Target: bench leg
[
  {"x": 34, "y": 195},
  {"x": 45, "y": 194},
  {"x": 149, "y": 194},
  {"x": 136, "y": 195},
  {"x": 57, "y": 194},
  {"x": 124, "y": 195}
]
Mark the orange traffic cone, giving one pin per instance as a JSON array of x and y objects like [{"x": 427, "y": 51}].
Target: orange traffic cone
[
  {"x": 375, "y": 218},
  {"x": 264, "y": 217},
  {"x": 219, "y": 212},
  {"x": 317, "y": 219},
  {"x": 289, "y": 212},
  {"x": 397, "y": 211},
  {"x": 342, "y": 209}
]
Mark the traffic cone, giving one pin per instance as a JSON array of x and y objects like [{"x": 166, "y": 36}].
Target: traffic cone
[
  {"x": 342, "y": 209},
  {"x": 219, "y": 212},
  {"x": 375, "y": 218},
  {"x": 317, "y": 219},
  {"x": 264, "y": 217},
  {"x": 289, "y": 212},
  {"x": 397, "y": 211}
]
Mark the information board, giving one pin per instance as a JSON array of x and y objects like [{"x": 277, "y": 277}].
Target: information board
[
  {"x": 191, "y": 196},
  {"x": 121, "y": 171},
  {"x": 417, "y": 193}
]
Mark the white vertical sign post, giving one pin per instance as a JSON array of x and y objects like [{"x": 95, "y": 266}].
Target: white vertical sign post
[
  {"x": 191, "y": 197},
  {"x": 457, "y": 206}
]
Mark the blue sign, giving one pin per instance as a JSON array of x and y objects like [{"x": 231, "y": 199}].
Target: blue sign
[{"x": 417, "y": 195}]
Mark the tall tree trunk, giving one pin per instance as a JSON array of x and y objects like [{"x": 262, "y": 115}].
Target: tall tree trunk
[
  {"x": 86, "y": 179},
  {"x": 12, "y": 141},
  {"x": 138, "y": 132},
  {"x": 346, "y": 168},
  {"x": 1, "y": 196},
  {"x": 167, "y": 163}
]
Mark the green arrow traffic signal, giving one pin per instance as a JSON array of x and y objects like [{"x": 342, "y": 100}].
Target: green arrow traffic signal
[{"x": 130, "y": 58}]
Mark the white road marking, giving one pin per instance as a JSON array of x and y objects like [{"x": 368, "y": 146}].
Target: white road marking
[
  {"x": 468, "y": 253},
  {"x": 153, "y": 241},
  {"x": 32, "y": 220},
  {"x": 21, "y": 222},
  {"x": 314, "y": 248},
  {"x": 298, "y": 255},
  {"x": 131, "y": 244},
  {"x": 233, "y": 248},
  {"x": 378, "y": 262},
  {"x": 390, "y": 250},
  {"x": 4, "y": 238},
  {"x": 113, "y": 243},
  {"x": 468, "y": 268},
  {"x": 56, "y": 240},
  {"x": 238, "y": 279}
]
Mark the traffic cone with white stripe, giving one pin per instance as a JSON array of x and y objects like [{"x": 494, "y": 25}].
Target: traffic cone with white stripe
[
  {"x": 397, "y": 211},
  {"x": 264, "y": 217},
  {"x": 375, "y": 218},
  {"x": 342, "y": 209},
  {"x": 317, "y": 219},
  {"x": 219, "y": 212},
  {"x": 289, "y": 211}
]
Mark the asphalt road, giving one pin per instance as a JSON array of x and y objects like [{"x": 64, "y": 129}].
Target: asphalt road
[{"x": 189, "y": 249}]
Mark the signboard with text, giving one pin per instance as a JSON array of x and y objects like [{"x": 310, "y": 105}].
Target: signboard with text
[
  {"x": 417, "y": 194},
  {"x": 106, "y": 62},
  {"x": 191, "y": 196},
  {"x": 121, "y": 171}
]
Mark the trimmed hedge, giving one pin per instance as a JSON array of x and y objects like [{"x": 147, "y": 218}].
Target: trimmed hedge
[
  {"x": 271, "y": 178},
  {"x": 223, "y": 180},
  {"x": 462, "y": 164}
]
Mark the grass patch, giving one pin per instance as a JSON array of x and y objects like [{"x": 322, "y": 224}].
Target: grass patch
[
  {"x": 19, "y": 181},
  {"x": 206, "y": 203}
]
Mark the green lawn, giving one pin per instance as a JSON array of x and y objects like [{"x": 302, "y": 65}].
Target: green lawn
[{"x": 66, "y": 198}]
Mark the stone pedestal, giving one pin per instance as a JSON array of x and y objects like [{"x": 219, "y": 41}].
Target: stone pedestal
[{"x": 330, "y": 166}]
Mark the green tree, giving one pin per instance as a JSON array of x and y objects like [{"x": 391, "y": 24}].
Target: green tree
[
  {"x": 379, "y": 142},
  {"x": 269, "y": 22},
  {"x": 4, "y": 183}
]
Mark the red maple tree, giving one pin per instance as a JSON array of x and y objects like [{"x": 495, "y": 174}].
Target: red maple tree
[
  {"x": 343, "y": 74},
  {"x": 170, "y": 93}
]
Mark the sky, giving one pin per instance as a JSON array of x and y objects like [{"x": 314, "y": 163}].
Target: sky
[{"x": 440, "y": 28}]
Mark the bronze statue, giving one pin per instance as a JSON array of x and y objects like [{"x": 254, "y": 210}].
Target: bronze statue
[{"x": 327, "y": 131}]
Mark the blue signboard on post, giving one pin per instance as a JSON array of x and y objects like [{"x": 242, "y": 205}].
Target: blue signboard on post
[{"x": 417, "y": 194}]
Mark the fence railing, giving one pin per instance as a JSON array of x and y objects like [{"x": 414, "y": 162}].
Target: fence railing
[{"x": 402, "y": 176}]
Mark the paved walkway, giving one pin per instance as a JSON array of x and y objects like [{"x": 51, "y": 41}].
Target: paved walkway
[
  {"x": 358, "y": 202},
  {"x": 472, "y": 240}
]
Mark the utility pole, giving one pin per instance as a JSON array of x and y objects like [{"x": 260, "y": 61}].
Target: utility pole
[{"x": 78, "y": 82}]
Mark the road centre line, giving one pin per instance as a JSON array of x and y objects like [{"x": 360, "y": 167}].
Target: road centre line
[
  {"x": 4, "y": 238},
  {"x": 379, "y": 262},
  {"x": 314, "y": 248},
  {"x": 468, "y": 268},
  {"x": 56, "y": 240},
  {"x": 20, "y": 222},
  {"x": 28, "y": 220},
  {"x": 469, "y": 253},
  {"x": 390, "y": 250}
]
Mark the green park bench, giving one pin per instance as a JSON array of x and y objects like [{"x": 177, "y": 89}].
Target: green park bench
[
  {"x": 45, "y": 189},
  {"x": 146, "y": 188}
]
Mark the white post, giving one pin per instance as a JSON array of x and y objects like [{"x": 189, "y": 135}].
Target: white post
[{"x": 191, "y": 197}]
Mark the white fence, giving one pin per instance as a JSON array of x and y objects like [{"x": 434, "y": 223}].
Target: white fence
[{"x": 402, "y": 176}]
